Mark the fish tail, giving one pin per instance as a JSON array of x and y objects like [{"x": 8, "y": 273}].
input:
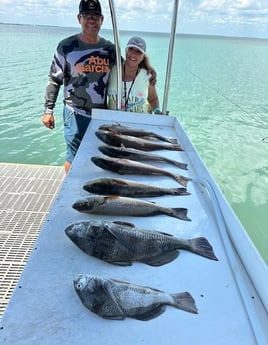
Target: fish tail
[
  {"x": 201, "y": 246},
  {"x": 180, "y": 213},
  {"x": 184, "y": 301},
  {"x": 177, "y": 147},
  {"x": 183, "y": 180},
  {"x": 168, "y": 140},
  {"x": 172, "y": 140},
  {"x": 180, "y": 165}
]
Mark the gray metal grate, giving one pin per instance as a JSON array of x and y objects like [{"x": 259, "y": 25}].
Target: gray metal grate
[{"x": 26, "y": 195}]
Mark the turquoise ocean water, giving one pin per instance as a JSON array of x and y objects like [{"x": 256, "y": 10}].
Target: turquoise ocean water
[{"x": 218, "y": 88}]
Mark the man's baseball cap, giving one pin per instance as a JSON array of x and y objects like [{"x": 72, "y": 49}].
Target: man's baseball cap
[{"x": 87, "y": 6}]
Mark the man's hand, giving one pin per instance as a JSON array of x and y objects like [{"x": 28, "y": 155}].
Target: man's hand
[{"x": 48, "y": 120}]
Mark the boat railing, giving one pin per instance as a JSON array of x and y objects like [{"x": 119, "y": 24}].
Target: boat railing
[
  {"x": 170, "y": 55},
  {"x": 118, "y": 53}
]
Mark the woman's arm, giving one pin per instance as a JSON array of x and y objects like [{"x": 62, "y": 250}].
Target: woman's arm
[{"x": 153, "y": 100}]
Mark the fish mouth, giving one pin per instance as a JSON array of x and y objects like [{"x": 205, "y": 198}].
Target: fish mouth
[
  {"x": 99, "y": 162},
  {"x": 104, "y": 163},
  {"x": 69, "y": 231},
  {"x": 80, "y": 205}
]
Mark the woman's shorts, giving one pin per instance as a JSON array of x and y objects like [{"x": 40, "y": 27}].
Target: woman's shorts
[{"x": 75, "y": 127}]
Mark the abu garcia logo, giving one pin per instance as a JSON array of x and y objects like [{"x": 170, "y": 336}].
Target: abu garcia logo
[{"x": 93, "y": 64}]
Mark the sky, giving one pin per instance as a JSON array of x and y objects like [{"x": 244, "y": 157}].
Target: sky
[{"x": 237, "y": 18}]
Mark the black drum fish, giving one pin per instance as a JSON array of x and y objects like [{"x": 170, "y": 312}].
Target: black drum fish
[
  {"x": 115, "y": 300},
  {"x": 123, "y": 206},
  {"x": 142, "y": 144},
  {"x": 138, "y": 155},
  {"x": 128, "y": 188},
  {"x": 127, "y": 166},
  {"x": 121, "y": 243},
  {"x": 135, "y": 132}
]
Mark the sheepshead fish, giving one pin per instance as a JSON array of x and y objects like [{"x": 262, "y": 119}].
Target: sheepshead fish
[
  {"x": 113, "y": 186},
  {"x": 122, "y": 206},
  {"x": 121, "y": 243},
  {"x": 138, "y": 155},
  {"x": 135, "y": 132},
  {"x": 115, "y": 300},
  {"x": 142, "y": 144},
  {"x": 127, "y": 166}
]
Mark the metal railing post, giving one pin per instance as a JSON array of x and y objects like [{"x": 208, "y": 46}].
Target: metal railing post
[
  {"x": 118, "y": 53},
  {"x": 170, "y": 55}
]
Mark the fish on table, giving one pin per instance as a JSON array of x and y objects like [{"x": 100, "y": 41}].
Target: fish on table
[
  {"x": 137, "y": 155},
  {"x": 121, "y": 243},
  {"x": 126, "y": 166},
  {"x": 124, "y": 206},
  {"x": 114, "y": 186},
  {"x": 142, "y": 144},
  {"x": 135, "y": 132},
  {"x": 115, "y": 300}
]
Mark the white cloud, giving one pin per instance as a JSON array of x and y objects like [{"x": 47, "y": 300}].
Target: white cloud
[
  {"x": 137, "y": 13},
  {"x": 233, "y": 11},
  {"x": 195, "y": 16}
]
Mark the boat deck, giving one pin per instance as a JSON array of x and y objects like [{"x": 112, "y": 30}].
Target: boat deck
[
  {"x": 230, "y": 294},
  {"x": 26, "y": 195}
]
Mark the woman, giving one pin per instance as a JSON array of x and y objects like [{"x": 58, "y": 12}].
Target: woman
[{"x": 138, "y": 95}]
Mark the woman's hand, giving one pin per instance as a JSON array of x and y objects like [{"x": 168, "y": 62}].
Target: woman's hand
[{"x": 152, "y": 79}]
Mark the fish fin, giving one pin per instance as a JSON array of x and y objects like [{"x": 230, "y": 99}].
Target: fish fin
[
  {"x": 133, "y": 285},
  {"x": 112, "y": 130},
  {"x": 172, "y": 140},
  {"x": 115, "y": 311},
  {"x": 119, "y": 281},
  {"x": 113, "y": 317},
  {"x": 161, "y": 259},
  {"x": 107, "y": 197},
  {"x": 106, "y": 127},
  {"x": 183, "y": 180},
  {"x": 200, "y": 246},
  {"x": 122, "y": 237},
  {"x": 184, "y": 301},
  {"x": 166, "y": 139},
  {"x": 116, "y": 124},
  {"x": 119, "y": 222},
  {"x": 163, "y": 233},
  {"x": 119, "y": 181},
  {"x": 180, "y": 165},
  {"x": 180, "y": 191},
  {"x": 180, "y": 213},
  {"x": 151, "y": 314},
  {"x": 119, "y": 263}
]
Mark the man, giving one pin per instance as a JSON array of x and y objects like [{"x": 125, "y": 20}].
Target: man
[{"x": 82, "y": 65}]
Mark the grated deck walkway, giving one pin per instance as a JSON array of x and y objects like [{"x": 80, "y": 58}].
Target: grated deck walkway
[{"x": 26, "y": 195}]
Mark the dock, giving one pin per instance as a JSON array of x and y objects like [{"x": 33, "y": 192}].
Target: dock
[{"x": 26, "y": 196}]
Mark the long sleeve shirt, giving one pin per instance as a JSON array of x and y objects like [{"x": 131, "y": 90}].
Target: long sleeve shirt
[{"x": 83, "y": 70}]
